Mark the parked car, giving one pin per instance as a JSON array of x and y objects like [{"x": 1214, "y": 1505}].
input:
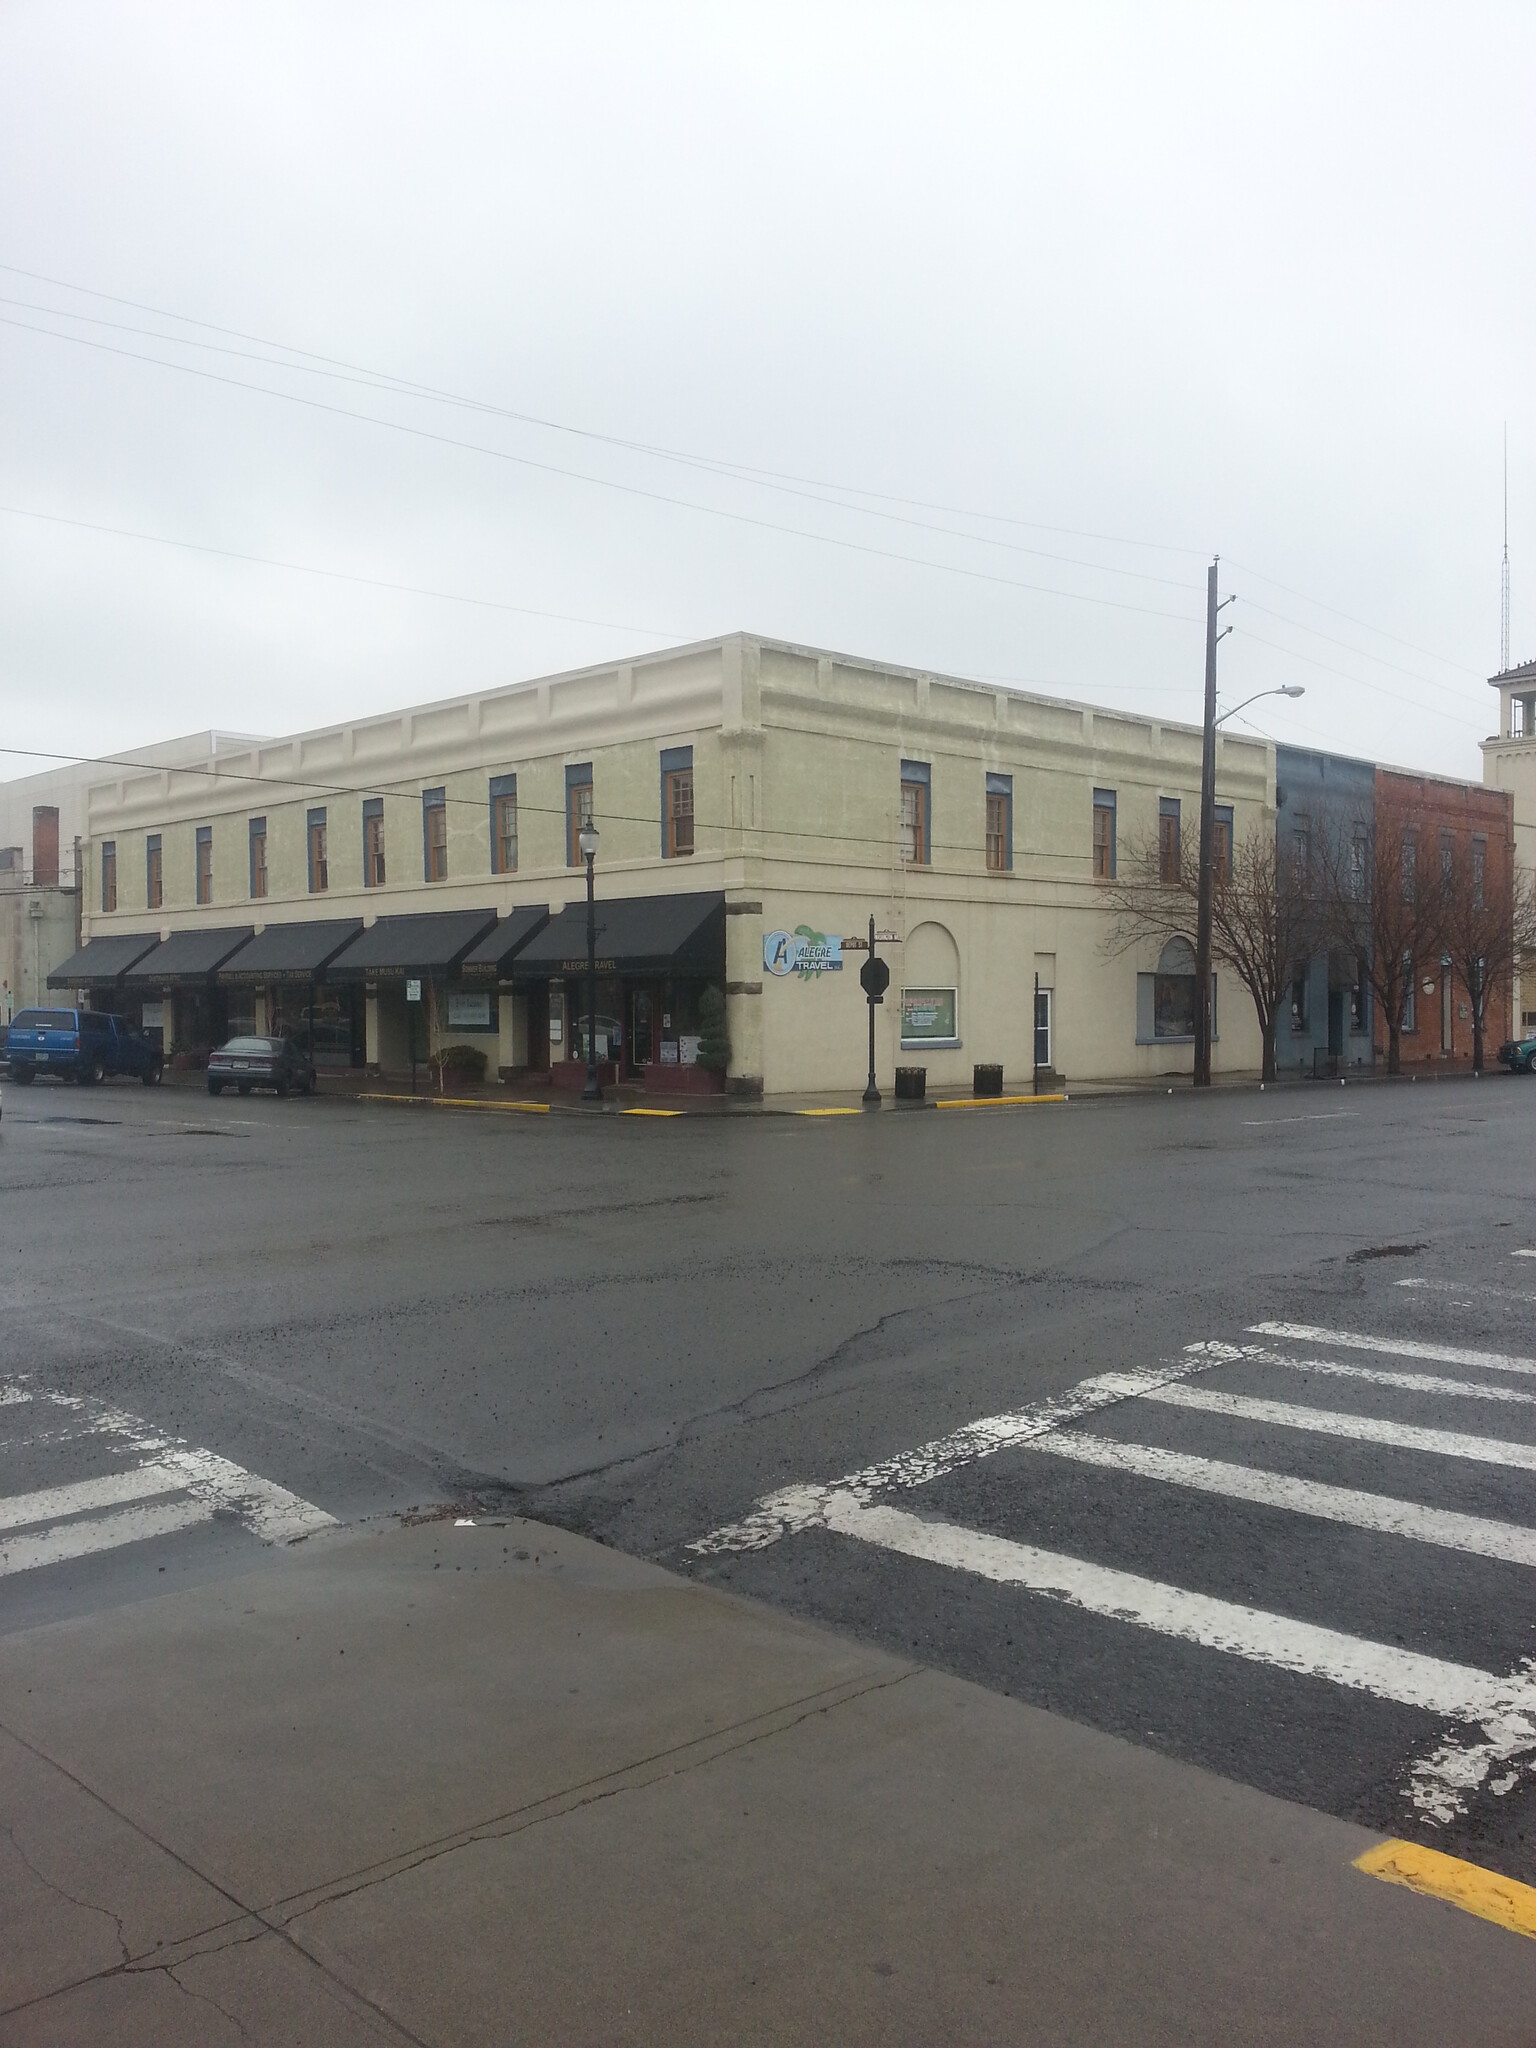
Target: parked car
[
  {"x": 247, "y": 1063},
  {"x": 1519, "y": 1054},
  {"x": 78, "y": 1045}
]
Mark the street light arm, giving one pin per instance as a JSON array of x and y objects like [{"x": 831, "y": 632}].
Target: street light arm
[{"x": 1283, "y": 690}]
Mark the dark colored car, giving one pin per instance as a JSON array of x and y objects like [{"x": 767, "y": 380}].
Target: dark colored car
[
  {"x": 78, "y": 1045},
  {"x": 1519, "y": 1054},
  {"x": 247, "y": 1063}
]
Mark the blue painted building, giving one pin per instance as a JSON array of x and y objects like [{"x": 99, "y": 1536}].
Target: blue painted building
[{"x": 1324, "y": 802}]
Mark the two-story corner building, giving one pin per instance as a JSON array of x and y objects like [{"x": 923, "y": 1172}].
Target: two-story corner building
[
  {"x": 1509, "y": 763},
  {"x": 416, "y": 879},
  {"x": 1324, "y": 808}
]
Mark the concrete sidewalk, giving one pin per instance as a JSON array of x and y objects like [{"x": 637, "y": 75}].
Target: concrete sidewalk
[{"x": 495, "y": 1784}]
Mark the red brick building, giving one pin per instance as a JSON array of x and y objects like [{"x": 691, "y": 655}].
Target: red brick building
[{"x": 1449, "y": 829}]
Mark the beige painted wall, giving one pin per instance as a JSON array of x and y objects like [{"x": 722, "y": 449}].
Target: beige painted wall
[{"x": 797, "y": 763}]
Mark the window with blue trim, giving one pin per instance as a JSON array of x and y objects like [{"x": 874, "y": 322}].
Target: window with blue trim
[
  {"x": 434, "y": 835},
  {"x": 258, "y": 839},
  {"x": 916, "y": 813},
  {"x": 373, "y": 842},
  {"x": 319, "y": 866},
  {"x": 578, "y": 807},
  {"x": 999, "y": 824},
  {"x": 503, "y": 824},
  {"x": 676, "y": 802}
]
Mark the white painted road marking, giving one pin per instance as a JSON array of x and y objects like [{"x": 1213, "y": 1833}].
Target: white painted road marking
[
  {"x": 796, "y": 1508},
  {"x": 29, "y": 1551},
  {"x": 62, "y": 1522},
  {"x": 1408, "y": 1382},
  {"x": 1321, "y": 1116},
  {"x": 1368, "y": 1429},
  {"x": 54, "y": 1503},
  {"x": 1503, "y": 1708},
  {"x": 1395, "y": 1347},
  {"x": 1506, "y": 1541}
]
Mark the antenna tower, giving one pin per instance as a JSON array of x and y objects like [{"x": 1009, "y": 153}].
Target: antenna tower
[{"x": 1504, "y": 579}]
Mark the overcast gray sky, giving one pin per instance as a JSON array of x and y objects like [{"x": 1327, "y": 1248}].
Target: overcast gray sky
[{"x": 1027, "y": 311}]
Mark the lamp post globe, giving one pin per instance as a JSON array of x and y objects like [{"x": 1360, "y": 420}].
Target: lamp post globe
[{"x": 586, "y": 840}]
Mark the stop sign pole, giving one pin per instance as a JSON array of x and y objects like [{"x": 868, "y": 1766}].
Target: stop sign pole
[{"x": 874, "y": 979}]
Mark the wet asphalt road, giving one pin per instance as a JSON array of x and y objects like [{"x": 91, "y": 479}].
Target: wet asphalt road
[{"x": 641, "y": 1328}]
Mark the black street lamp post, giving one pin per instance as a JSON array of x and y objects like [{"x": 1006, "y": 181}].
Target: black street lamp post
[{"x": 586, "y": 839}]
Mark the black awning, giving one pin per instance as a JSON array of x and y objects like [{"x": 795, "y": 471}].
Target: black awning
[
  {"x": 189, "y": 956},
  {"x": 103, "y": 960},
  {"x": 430, "y": 942},
  {"x": 635, "y": 935},
  {"x": 292, "y": 952},
  {"x": 491, "y": 960}
]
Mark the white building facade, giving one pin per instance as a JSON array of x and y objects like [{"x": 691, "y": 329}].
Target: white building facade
[{"x": 414, "y": 880}]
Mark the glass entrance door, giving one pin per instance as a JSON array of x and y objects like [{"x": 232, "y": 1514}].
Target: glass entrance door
[{"x": 642, "y": 1046}]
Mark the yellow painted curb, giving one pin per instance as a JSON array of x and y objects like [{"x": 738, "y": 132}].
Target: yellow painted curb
[
  {"x": 994, "y": 1101},
  {"x": 460, "y": 1102},
  {"x": 829, "y": 1112},
  {"x": 653, "y": 1112},
  {"x": 1503, "y": 1900}
]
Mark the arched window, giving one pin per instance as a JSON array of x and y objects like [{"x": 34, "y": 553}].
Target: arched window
[
  {"x": 1173, "y": 991},
  {"x": 930, "y": 996}
]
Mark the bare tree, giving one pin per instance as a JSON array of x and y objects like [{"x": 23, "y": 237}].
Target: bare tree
[
  {"x": 1384, "y": 902},
  {"x": 1487, "y": 924},
  {"x": 1266, "y": 914}
]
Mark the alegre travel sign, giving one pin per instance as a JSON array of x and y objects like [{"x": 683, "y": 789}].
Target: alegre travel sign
[{"x": 803, "y": 951}]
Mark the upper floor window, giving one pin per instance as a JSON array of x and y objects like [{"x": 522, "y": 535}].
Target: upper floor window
[
  {"x": 258, "y": 856},
  {"x": 999, "y": 824},
  {"x": 154, "y": 873},
  {"x": 1410, "y": 865},
  {"x": 109, "y": 874},
  {"x": 1301, "y": 849},
  {"x": 1479, "y": 869},
  {"x": 1103, "y": 835},
  {"x": 676, "y": 802},
  {"x": 1221, "y": 843},
  {"x": 503, "y": 824},
  {"x": 373, "y": 842},
  {"x": 319, "y": 868},
  {"x": 1408, "y": 1022},
  {"x": 434, "y": 834},
  {"x": 578, "y": 808},
  {"x": 1447, "y": 866},
  {"x": 205, "y": 863},
  {"x": 1169, "y": 859},
  {"x": 916, "y": 815},
  {"x": 1358, "y": 854}
]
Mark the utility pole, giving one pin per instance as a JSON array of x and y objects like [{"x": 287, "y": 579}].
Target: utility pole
[{"x": 1207, "y": 837}]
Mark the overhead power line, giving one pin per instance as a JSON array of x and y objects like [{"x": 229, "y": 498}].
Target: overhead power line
[{"x": 606, "y": 483}]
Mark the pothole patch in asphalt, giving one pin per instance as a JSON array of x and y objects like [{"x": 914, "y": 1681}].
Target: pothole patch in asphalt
[{"x": 1384, "y": 1251}]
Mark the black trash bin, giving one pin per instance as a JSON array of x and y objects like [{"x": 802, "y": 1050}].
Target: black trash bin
[
  {"x": 911, "y": 1084},
  {"x": 986, "y": 1080}
]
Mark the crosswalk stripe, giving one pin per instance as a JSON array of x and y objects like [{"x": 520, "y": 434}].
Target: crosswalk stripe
[
  {"x": 1370, "y": 1429},
  {"x": 1456, "y": 1692},
  {"x": 1507, "y": 1541},
  {"x": 792, "y": 1509},
  {"x": 27, "y": 1552},
  {"x": 54, "y": 1503},
  {"x": 1395, "y": 1347},
  {"x": 1408, "y": 1382}
]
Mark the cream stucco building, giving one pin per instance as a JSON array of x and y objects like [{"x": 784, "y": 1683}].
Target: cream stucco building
[
  {"x": 757, "y": 804},
  {"x": 1509, "y": 762}
]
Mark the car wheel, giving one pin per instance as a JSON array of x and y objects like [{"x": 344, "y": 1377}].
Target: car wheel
[
  {"x": 282, "y": 1084},
  {"x": 97, "y": 1072},
  {"x": 215, "y": 1087},
  {"x": 151, "y": 1075},
  {"x": 23, "y": 1077},
  {"x": 243, "y": 1087},
  {"x": 1528, "y": 1064}
]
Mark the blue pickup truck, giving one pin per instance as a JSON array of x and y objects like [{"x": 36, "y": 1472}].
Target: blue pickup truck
[{"x": 77, "y": 1045}]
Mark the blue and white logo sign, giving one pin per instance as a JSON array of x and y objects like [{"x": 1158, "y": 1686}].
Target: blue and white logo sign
[{"x": 803, "y": 951}]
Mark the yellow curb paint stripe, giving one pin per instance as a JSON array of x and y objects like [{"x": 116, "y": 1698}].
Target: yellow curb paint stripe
[
  {"x": 653, "y": 1112},
  {"x": 459, "y": 1102},
  {"x": 1503, "y": 1900},
  {"x": 994, "y": 1101},
  {"x": 829, "y": 1112}
]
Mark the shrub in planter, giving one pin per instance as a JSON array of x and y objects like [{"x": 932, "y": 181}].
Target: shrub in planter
[
  {"x": 714, "y": 1040},
  {"x": 459, "y": 1063}
]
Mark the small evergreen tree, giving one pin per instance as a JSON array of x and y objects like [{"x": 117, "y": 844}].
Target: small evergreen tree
[{"x": 714, "y": 1039}]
